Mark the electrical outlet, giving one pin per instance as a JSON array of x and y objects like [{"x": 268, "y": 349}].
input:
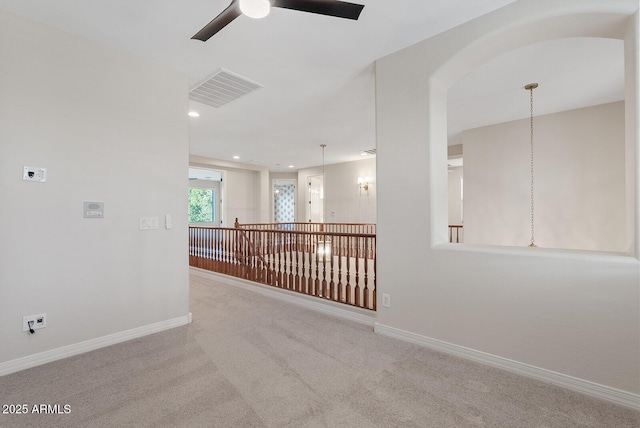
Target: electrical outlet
[
  {"x": 39, "y": 321},
  {"x": 386, "y": 301}
]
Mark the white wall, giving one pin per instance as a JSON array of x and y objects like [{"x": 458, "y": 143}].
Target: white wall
[
  {"x": 579, "y": 181},
  {"x": 245, "y": 190},
  {"x": 108, "y": 127},
  {"x": 632, "y": 132},
  {"x": 242, "y": 192},
  {"x": 455, "y": 174},
  {"x": 344, "y": 202},
  {"x": 564, "y": 312}
]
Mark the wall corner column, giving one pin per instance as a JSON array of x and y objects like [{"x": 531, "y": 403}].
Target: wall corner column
[{"x": 632, "y": 131}]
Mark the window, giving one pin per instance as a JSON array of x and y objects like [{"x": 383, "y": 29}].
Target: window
[{"x": 201, "y": 206}]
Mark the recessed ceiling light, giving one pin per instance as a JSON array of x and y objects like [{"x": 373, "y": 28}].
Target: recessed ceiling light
[
  {"x": 236, "y": 157},
  {"x": 194, "y": 114},
  {"x": 291, "y": 166}
]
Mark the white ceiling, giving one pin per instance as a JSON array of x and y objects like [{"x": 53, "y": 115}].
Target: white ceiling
[
  {"x": 318, "y": 74},
  {"x": 571, "y": 73}
]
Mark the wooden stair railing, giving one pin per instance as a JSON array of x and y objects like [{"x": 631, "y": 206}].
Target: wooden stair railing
[
  {"x": 253, "y": 250},
  {"x": 335, "y": 266}
]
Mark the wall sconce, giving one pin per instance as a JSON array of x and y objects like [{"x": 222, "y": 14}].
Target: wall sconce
[{"x": 363, "y": 183}]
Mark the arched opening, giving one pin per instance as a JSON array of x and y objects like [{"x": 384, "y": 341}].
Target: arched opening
[
  {"x": 578, "y": 167},
  {"x": 594, "y": 26}
]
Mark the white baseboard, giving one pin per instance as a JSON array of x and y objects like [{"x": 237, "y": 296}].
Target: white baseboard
[
  {"x": 29, "y": 361},
  {"x": 603, "y": 392},
  {"x": 362, "y": 316}
]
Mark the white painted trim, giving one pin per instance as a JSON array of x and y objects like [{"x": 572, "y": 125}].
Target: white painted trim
[
  {"x": 593, "y": 389},
  {"x": 317, "y": 304},
  {"x": 34, "y": 360}
]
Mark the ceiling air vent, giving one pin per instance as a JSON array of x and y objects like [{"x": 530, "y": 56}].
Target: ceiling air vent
[
  {"x": 370, "y": 151},
  {"x": 222, "y": 88}
]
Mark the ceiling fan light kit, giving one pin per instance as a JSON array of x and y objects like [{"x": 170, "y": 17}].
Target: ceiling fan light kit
[
  {"x": 255, "y": 8},
  {"x": 261, "y": 8}
]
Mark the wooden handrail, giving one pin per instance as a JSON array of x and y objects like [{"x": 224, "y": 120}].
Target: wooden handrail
[{"x": 315, "y": 227}]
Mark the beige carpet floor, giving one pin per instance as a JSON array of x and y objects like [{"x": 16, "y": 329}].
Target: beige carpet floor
[{"x": 248, "y": 360}]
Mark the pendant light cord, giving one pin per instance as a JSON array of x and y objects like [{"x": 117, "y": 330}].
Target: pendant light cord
[
  {"x": 324, "y": 208},
  {"x": 530, "y": 87}
]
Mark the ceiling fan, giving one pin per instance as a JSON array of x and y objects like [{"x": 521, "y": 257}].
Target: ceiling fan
[{"x": 261, "y": 8}]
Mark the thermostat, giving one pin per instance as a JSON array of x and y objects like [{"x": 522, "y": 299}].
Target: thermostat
[{"x": 93, "y": 210}]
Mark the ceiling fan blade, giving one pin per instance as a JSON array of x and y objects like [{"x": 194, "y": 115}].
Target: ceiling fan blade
[
  {"x": 219, "y": 22},
  {"x": 340, "y": 9}
]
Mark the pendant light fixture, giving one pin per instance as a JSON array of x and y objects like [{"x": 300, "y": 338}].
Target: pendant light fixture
[
  {"x": 530, "y": 87},
  {"x": 323, "y": 246},
  {"x": 322, "y": 192}
]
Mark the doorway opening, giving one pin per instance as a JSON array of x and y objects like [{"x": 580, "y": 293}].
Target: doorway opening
[
  {"x": 205, "y": 197},
  {"x": 316, "y": 199},
  {"x": 284, "y": 200}
]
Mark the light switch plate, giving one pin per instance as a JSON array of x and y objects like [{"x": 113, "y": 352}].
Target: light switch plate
[{"x": 148, "y": 223}]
